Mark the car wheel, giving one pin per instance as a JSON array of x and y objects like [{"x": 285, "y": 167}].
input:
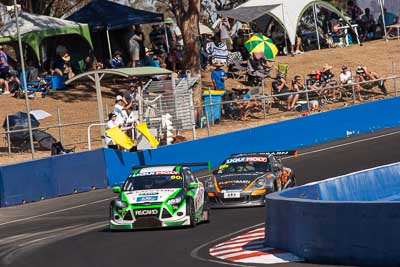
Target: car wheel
[{"x": 191, "y": 212}]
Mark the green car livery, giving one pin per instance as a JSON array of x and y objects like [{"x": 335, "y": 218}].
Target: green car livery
[{"x": 159, "y": 196}]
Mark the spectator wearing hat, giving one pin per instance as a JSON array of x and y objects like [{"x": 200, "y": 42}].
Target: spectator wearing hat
[
  {"x": 328, "y": 81},
  {"x": 280, "y": 86},
  {"x": 218, "y": 76},
  {"x": 62, "y": 66},
  {"x": 117, "y": 60},
  {"x": 364, "y": 75},
  {"x": 167, "y": 29},
  {"x": 120, "y": 110},
  {"x": 111, "y": 123}
]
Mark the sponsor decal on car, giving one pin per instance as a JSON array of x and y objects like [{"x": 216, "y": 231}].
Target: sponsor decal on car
[
  {"x": 246, "y": 159},
  {"x": 155, "y": 173},
  {"x": 146, "y": 198},
  {"x": 147, "y": 212},
  {"x": 234, "y": 182}
]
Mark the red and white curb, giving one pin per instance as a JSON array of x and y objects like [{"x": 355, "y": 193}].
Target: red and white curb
[{"x": 249, "y": 248}]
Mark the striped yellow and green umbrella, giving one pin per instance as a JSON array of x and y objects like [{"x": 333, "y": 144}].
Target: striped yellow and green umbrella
[{"x": 258, "y": 43}]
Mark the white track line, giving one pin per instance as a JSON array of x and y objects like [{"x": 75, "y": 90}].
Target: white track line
[
  {"x": 345, "y": 144},
  {"x": 57, "y": 211}
]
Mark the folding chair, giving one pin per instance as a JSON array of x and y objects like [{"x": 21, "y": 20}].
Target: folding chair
[
  {"x": 238, "y": 70},
  {"x": 283, "y": 69},
  {"x": 32, "y": 86}
]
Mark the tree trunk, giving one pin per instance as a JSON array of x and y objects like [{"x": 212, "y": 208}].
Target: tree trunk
[
  {"x": 187, "y": 16},
  {"x": 190, "y": 34}
]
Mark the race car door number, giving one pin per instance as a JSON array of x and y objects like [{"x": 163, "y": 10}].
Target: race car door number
[{"x": 232, "y": 195}]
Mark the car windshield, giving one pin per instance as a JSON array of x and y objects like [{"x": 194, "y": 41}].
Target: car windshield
[
  {"x": 143, "y": 182},
  {"x": 244, "y": 165}
]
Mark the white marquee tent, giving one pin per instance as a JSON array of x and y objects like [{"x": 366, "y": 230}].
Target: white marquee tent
[{"x": 286, "y": 12}]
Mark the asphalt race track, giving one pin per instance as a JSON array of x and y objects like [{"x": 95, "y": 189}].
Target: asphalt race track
[{"x": 72, "y": 230}]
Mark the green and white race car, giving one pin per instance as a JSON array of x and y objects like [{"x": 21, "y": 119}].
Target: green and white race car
[{"x": 159, "y": 196}]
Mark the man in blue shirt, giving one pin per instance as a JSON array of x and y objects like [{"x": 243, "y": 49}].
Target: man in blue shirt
[
  {"x": 218, "y": 76},
  {"x": 390, "y": 19}
]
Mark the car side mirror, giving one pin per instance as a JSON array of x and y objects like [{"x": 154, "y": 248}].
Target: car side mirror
[
  {"x": 215, "y": 172},
  {"x": 116, "y": 189},
  {"x": 192, "y": 185}
]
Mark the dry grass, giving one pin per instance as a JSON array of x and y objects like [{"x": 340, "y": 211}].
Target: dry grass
[{"x": 79, "y": 104}]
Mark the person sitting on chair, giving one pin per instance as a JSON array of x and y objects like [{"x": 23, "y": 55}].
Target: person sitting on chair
[
  {"x": 117, "y": 61},
  {"x": 345, "y": 78},
  {"x": 367, "y": 24},
  {"x": 258, "y": 68},
  {"x": 363, "y": 75},
  {"x": 328, "y": 81},
  {"x": 247, "y": 105},
  {"x": 390, "y": 19},
  {"x": 280, "y": 86}
]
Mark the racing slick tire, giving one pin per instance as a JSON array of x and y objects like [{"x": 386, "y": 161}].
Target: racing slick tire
[
  {"x": 290, "y": 183},
  {"x": 191, "y": 212}
]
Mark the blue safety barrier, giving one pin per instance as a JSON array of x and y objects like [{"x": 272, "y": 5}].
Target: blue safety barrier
[
  {"x": 350, "y": 220},
  {"x": 51, "y": 177},
  {"x": 44, "y": 180},
  {"x": 290, "y": 134}
]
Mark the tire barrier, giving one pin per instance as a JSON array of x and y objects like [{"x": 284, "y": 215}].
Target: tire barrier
[
  {"x": 349, "y": 220},
  {"x": 51, "y": 177}
]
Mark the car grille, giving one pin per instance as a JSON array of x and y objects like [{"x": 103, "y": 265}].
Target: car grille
[
  {"x": 128, "y": 216},
  {"x": 146, "y": 222},
  {"x": 165, "y": 214}
]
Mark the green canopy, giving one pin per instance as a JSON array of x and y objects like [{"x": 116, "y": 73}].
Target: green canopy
[{"x": 35, "y": 28}]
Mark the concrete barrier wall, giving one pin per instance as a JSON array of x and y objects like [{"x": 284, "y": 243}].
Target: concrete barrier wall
[
  {"x": 344, "y": 220},
  {"x": 51, "y": 177},
  {"x": 290, "y": 134}
]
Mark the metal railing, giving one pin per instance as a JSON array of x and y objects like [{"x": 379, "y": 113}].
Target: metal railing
[{"x": 268, "y": 100}]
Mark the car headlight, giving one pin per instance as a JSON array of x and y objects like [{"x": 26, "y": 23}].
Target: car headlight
[
  {"x": 120, "y": 204},
  {"x": 260, "y": 182},
  {"x": 176, "y": 200}
]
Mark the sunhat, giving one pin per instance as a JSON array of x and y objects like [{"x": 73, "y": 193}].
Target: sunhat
[
  {"x": 118, "y": 98},
  {"x": 218, "y": 64},
  {"x": 326, "y": 67},
  {"x": 66, "y": 57}
]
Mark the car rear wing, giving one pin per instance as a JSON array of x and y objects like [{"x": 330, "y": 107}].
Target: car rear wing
[
  {"x": 281, "y": 153},
  {"x": 190, "y": 164}
]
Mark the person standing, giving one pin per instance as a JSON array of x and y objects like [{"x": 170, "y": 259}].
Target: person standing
[
  {"x": 218, "y": 76},
  {"x": 4, "y": 70},
  {"x": 157, "y": 39},
  {"x": 225, "y": 36},
  {"x": 142, "y": 50},
  {"x": 134, "y": 47}
]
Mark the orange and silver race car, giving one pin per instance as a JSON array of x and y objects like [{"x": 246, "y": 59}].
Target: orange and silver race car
[{"x": 244, "y": 179}]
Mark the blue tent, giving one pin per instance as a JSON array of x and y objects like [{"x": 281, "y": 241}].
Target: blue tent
[{"x": 106, "y": 15}]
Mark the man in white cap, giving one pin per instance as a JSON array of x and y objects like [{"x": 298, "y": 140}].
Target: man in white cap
[{"x": 120, "y": 110}]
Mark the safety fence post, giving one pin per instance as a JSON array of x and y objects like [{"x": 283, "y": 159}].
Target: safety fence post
[
  {"x": 8, "y": 136},
  {"x": 59, "y": 125},
  {"x": 211, "y": 106},
  {"x": 394, "y": 79},
  {"x": 307, "y": 97}
]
